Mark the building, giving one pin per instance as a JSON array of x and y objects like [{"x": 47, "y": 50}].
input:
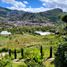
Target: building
[
  {"x": 5, "y": 33},
  {"x": 42, "y": 33}
]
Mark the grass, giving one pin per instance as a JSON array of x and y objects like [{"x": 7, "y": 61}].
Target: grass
[
  {"x": 49, "y": 64},
  {"x": 21, "y": 64},
  {"x": 18, "y": 41},
  {"x": 31, "y": 44}
]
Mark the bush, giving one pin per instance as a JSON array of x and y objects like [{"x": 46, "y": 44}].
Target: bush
[
  {"x": 61, "y": 56},
  {"x": 32, "y": 63},
  {"x": 3, "y": 50}
]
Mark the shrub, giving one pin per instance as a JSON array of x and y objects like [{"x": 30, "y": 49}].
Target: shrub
[
  {"x": 60, "y": 58},
  {"x": 3, "y": 50}
]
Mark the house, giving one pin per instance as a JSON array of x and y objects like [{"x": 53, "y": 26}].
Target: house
[
  {"x": 42, "y": 33},
  {"x": 5, "y": 33}
]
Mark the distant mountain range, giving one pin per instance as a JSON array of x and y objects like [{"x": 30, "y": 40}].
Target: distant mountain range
[{"x": 15, "y": 15}]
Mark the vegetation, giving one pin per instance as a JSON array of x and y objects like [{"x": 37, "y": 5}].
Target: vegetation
[
  {"x": 14, "y": 15},
  {"x": 64, "y": 18},
  {"x": 24, "y": 48},
  {"x": 32, "y": 50},
  {"x": 61, "y": 55}
]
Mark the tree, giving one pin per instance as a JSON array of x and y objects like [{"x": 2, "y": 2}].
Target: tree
[
  {"x": 15, "y": 54},
  {"x": 41, "y": 52},
  {"x": 60, "y": 59},
  {"x": 50, "y": 52},
  {"x": 22, "y": 52},
  {"x": 9, "y": 51},
  {"x": 64, "y": 18}
]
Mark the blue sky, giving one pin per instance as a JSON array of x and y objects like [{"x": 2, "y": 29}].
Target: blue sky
[{"x": 34, "y": 5}]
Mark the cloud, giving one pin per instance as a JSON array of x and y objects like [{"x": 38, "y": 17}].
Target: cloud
[
  {"x": 15, "y": 4},
  {"x": 30, "y": 9},
  {"x": 18, "y": 5},
  {"x": 8, "y": 1},
  {"x": 25, "y": 2},
  {"x": 46, "y": 5},
  {"x": 55, "y": 4}
]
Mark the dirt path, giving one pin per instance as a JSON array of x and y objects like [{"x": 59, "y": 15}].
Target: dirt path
[{"x": 48, "y": 62}]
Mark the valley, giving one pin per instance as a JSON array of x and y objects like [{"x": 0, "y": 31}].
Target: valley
[{"x": 21, "y": 46}]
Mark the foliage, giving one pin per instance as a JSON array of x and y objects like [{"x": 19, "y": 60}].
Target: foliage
[
  {"x": 64, "y": 18},
  {"x": 5, "y": 61},
  {"x": 32, "y": 63},
  {"x": 14, "y": 15},
  {"x": 41, "y": 52},
  {"x": 61, "y": 56}
]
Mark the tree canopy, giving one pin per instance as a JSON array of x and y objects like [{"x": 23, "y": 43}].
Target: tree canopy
[{"x": 64, "y": 18}]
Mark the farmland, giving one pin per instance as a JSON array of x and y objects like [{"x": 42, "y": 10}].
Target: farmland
[{"x": 31, "y": 44}]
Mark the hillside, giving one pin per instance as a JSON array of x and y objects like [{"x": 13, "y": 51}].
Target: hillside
[{"x": 14, "y": 15}]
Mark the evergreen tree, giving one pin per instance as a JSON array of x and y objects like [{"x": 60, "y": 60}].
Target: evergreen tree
[
  {"x": 60, "y": 57},
  {"x": 41, "y": 52},
  {"x": 15, "y": 54},
  {"x": 9, "y": 51},
  {"x": 50, "y": 52},
  {"x": 22, "y": 52},
  {"x": 64, "y": 18}
]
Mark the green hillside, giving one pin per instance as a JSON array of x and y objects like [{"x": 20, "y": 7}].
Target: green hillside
[{"x": 14, "y": 15}]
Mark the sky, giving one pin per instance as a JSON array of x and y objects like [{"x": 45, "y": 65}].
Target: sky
[{"x": 34, "y": 5}]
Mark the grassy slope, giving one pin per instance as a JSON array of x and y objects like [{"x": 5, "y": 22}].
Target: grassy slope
[{"x": 18, "y": 41}]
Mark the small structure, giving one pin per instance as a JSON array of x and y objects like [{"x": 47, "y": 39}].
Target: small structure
[
  {"x": 5, "y": 33},
  {"x": 42, "y": 33}
]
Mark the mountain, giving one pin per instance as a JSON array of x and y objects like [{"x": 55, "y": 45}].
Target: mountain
[
  {"x": 53, "y": 15},
  {"x": 15, "y": 15}
]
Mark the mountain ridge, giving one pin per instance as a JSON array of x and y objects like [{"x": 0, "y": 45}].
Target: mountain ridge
[{"x": 40, "y": 17}]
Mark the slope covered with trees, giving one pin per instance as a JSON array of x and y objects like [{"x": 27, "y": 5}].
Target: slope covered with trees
[{"x": 14, "y": 15}]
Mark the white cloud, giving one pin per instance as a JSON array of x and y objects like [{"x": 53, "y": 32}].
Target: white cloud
[
  {"x": 49, "y": 4},
  {"x": 14, "y": 3},
  {"x": 25, "y": 2},
  {"x": 18, "y": 5},
  {"x": 55, "y": 4},
  {"x": 34, "y": 10},
  {"x": 8, "y": 1}
]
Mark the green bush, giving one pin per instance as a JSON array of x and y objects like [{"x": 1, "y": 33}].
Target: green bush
[
  {"x": 32, "y": 63},
  {"x": 61, "y": 56},
  {"x": 3, "y": 49}
]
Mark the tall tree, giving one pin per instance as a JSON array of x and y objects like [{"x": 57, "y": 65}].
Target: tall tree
[
  {"x": 15, "y": 54},
  {"x": 60, "y": 60},
  {"x": 64, "y": 18},
  {"x": 22, "y": 52},
  {"x": 41, "y": 52}
]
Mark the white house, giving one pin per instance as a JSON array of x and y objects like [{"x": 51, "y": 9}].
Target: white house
[
  {"x": 42, "y": 33},
  {"x": 5, "y": 33}
]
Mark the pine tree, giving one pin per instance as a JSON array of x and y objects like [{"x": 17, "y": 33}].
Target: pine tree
[
  {"x": 9, "y": 51},
  {"x": 41, "y": 52},
  {"x": 15, "y": 54},
  {"x": 50, "y": 52},
  {"x": 22, "y": 52},
  {"x": 59, "y": 57}
]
